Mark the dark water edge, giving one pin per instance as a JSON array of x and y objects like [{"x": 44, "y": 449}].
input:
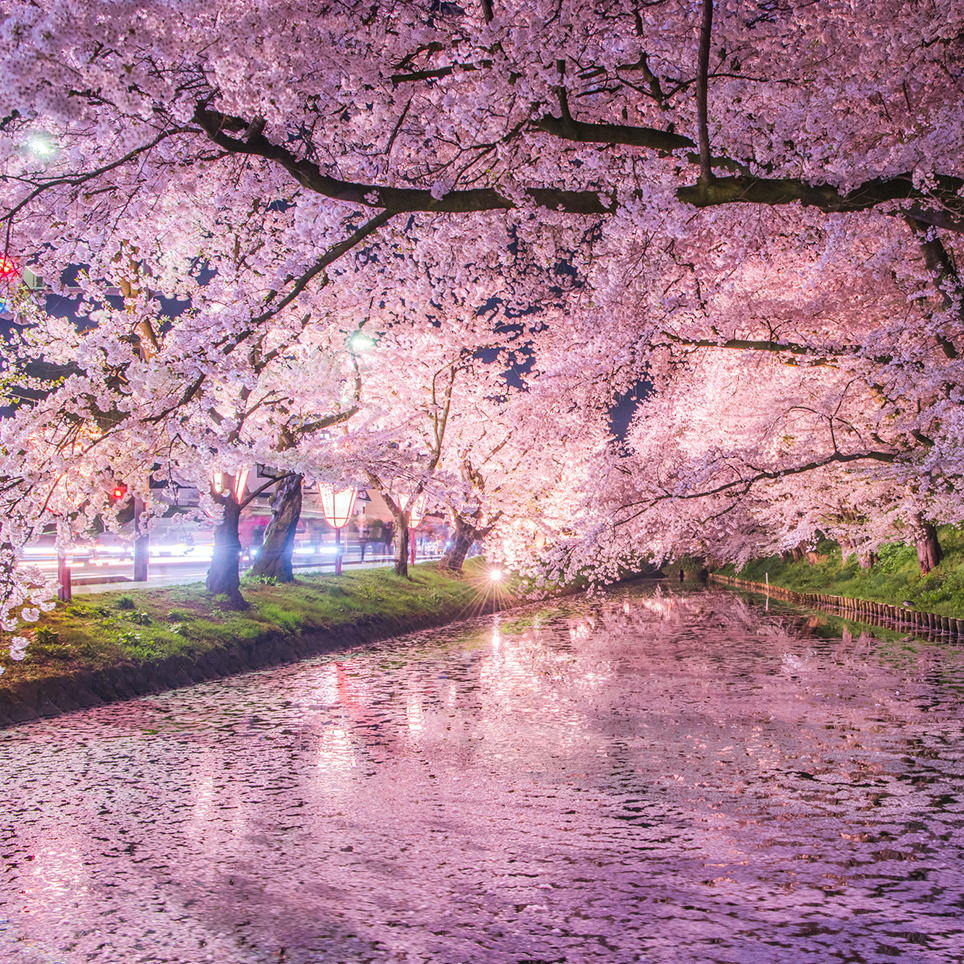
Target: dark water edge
[{"x": 656, "y": 777}]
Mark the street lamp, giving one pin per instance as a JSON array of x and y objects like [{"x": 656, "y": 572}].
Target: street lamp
[
  {"x": 361, "y": 342},
  {"x": 338, "y": 507}
]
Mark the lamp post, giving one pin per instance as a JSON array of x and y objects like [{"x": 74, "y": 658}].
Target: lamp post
[{"x": 338, "y": 506}]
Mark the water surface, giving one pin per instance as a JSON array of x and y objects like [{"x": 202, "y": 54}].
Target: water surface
[{"x": 671, "y": 778}]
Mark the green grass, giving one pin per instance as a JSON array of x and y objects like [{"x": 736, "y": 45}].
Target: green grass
[
  {"x": 149, "y": 624},
  {"x": 894, "y": 578}
]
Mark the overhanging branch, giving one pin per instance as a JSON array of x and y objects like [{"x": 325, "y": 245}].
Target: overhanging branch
[
  {"x": 742, "y": 486},
  {"x": 942, "y": 207}
]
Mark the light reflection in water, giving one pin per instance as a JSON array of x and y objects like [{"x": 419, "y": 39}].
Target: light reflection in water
[
  {"x": 643, "y": 777},
  {"x": 335, "y": 750}
]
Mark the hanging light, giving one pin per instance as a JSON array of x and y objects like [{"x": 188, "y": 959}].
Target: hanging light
[
  {"x": 338, "y": 507},
  {"x": 8, "y": 268}
]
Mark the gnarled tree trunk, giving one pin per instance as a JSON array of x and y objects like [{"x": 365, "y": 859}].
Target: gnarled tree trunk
[
  {"x": 224, "y": 577},
  {"x": 929, "y": 552},
  {"x": 275, "y": 555},
  {"x": 465, "y": 535}
]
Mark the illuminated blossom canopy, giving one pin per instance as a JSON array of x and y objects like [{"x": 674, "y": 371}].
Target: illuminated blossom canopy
[{"x": 755, "y": 208}]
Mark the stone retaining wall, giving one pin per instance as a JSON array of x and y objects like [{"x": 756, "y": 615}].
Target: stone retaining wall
[{"x": 860, "y": 610}]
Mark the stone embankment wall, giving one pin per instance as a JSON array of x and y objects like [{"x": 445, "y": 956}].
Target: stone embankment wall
[{"x": 859, "y": 610}]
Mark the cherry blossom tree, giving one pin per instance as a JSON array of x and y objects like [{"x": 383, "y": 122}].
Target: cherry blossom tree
[
  {"x": 779, "y": 181},
  {"x": 169, "y": 412}
]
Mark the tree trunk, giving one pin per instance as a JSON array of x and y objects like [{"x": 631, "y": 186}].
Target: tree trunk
[
  {"x": 929, "y": 552},
  {"x": 224, "y": 577},
  {"x": 401, "y": 546},
  {"x": 465, "y": 535},
  {"x": 275, "y": 555}
]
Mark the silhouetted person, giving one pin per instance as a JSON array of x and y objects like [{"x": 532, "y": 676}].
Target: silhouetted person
[{"x": 682, "y": 574}]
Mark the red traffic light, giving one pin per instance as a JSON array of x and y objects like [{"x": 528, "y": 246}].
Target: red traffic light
[{"x": 117, "y": 493}]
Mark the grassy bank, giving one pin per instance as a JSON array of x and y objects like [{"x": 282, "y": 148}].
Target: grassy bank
[
  {"x": 147, "y": 625},
  {"x": 894, "y": 579}
]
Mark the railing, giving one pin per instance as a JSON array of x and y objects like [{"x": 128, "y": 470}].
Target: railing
[{"x": 860, "y": 610}]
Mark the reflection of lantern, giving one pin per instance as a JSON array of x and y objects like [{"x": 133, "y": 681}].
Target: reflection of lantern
[
  {"x": 240, "y": 482},
  {"x": 338, "y": 507}
]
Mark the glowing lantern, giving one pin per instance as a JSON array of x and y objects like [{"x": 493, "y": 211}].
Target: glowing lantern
[
  {"x": 8, "y": 268},
  {"x": 417, "y": 511},
  {"x": 338, "y": 507}
]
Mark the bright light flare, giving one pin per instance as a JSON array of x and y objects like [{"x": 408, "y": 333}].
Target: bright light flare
[
  {"x": 489, "y": 587},
  {"x": 40, "y": 147},
  {"x": 361, "y": 342}
]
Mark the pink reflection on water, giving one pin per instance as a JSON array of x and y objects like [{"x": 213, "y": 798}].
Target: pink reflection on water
[{"x": 662, "y": 779}]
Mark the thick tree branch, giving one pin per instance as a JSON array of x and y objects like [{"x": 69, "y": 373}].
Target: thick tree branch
[
  {"x": 648, "y": 137},
  {"x": 706, "y": 27},
  {"x": 824, "y": 197},
  {"x": 945, "y": 209},
  {"x": 948, "y": 280},
  {"x": 743, "y": 484},
  {"x": 392, "y": 199},
  {"x": 819, "y": 354}
]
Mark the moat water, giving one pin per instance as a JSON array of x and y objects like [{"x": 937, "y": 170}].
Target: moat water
[{"x": 643, "y": 776}]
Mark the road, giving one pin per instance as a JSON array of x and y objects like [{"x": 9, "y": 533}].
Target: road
[{"x": 92, "y": 575}]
